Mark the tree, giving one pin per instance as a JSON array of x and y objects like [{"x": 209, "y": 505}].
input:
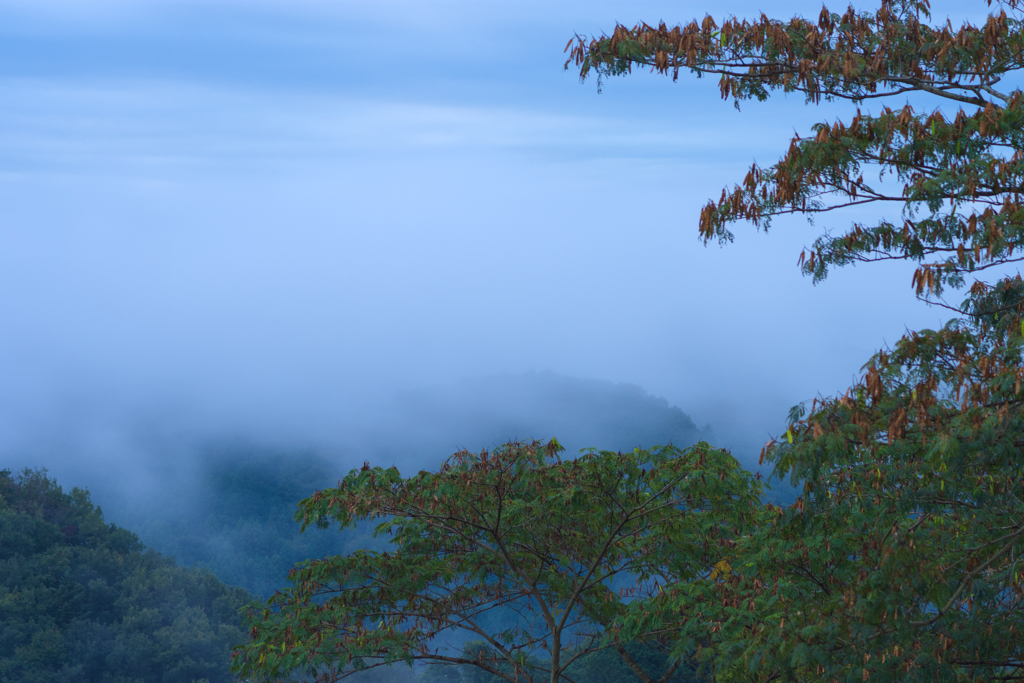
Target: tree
[
  {"x": 900, "y": 561},
  {"x": 531, "y": 555}
]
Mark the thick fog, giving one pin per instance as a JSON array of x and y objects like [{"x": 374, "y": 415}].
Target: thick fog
[{"x": 364, "y": 228}]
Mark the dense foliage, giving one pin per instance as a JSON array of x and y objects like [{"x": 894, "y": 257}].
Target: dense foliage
[
  {"x": 83, "y": 600},
  {"x": 535, "y": 556},
  {"x": 900, "y": 561}
]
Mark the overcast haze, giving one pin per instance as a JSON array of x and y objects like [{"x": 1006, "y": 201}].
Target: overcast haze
[{"x": 265, "y": 220}]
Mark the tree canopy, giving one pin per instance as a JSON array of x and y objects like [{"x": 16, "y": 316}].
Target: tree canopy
[
  {"x": 900, "y": 561},
  {"x": 959, "y": 174},
  {"x": 534, "y": 556},
  {"x": 82, "y": 600}
]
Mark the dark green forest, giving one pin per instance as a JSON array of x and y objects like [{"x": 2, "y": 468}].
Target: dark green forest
[{"x": 84, "y": 600}]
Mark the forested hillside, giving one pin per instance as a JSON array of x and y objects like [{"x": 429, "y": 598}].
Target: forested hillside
[{"x": 83, "y": 600}]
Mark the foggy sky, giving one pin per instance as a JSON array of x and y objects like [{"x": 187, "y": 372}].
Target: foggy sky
[{"x": 267, "y": 219}]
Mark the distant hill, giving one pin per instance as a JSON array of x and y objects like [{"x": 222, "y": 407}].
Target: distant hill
[{"x": 485, "y": 412}]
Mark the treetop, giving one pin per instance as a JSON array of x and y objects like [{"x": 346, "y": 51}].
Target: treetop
[{"x": 957, "y": 179}]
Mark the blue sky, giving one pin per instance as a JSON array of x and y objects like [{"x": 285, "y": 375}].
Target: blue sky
[{"x": 259, "y": 216}]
